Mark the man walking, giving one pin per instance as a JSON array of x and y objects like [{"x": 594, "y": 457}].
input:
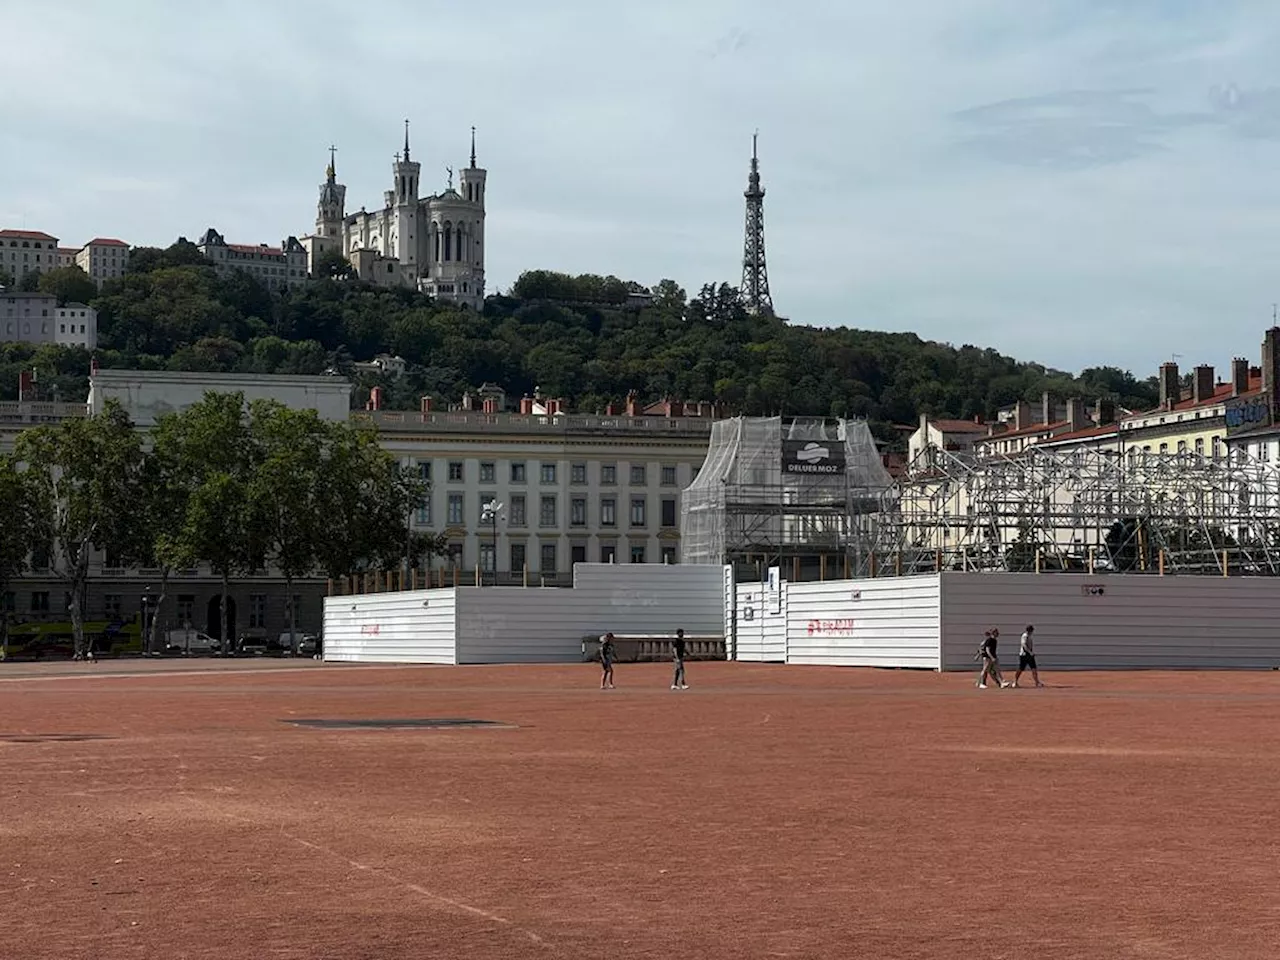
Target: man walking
[
  {"x": 1027, "y": 657},
  {"x": 677, "y": 650},
  {"x": 607, "y": 653},
  {"x": 990, "y": 659}
]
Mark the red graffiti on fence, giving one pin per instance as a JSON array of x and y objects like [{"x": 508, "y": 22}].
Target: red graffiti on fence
[
  {"x": 371, "y": 629},
  {"x": 838, "y": 627}
]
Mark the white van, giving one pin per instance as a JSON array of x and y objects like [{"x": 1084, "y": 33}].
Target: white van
[{"x": 189, "y": 643}]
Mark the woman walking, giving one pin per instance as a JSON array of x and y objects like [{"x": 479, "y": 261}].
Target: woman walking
[
  {"x": 990, "y": 660},
  {"x": 607, "y": 653}
]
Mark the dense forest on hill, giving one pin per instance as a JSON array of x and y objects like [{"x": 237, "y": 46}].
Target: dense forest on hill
[{"x": 588, "y": 339}]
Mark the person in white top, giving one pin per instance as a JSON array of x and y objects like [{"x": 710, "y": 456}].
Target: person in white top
[{"x": 1027, "y": 657}]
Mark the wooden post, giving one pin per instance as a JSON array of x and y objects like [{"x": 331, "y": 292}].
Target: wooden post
[
  {"x": 1092, "y": 552},
  {"x": 328, "y": 586},
  {"x": 822, "y": 567},
  {"x": 871, "y": 568},
  {"x": 795, "y": 568},
  {"x": 455, "y": 574},
  {"x": 391, "y": 583},
  {"x": 526, "y": 575},
  {"x": 1039, "y": 559},
  {"x": 1226, "y": 569},
  {"x": 400, "y": 579},
  {"x": 1162, "y": 561},
  {"x": 478, "y": 580},
  {"x": 937, "y": 560},
  {"x": 846, "y": 565},
  {"x": 897, "y": 564}
]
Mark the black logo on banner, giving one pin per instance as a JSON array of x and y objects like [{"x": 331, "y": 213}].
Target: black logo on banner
[{"x": 813, "y": 456}]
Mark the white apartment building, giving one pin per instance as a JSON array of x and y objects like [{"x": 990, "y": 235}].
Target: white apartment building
[
  {"x": 22, "y": 251},
  {"x": 277, "y": 267},
  {"x": 37, "y": 318},
  {"x": 103, "y": 258},
  {"x": 573, "y": 488},
  {"x": 67, "y": 256}
]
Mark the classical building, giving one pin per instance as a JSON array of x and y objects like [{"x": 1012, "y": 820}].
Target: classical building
[
  {"x": 102, "y": 259},
  {"x": 24, "y": 251},
  {"x": 277, "y": 267},
  {"x": 37, "y": 318},
  {"x": 434, "y": 244}
]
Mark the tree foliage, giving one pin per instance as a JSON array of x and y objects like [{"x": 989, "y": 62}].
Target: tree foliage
[
  {"x": 591, "y": 339},
  {"x": 69, "y": 285},
  {"x": 22, "y": 527}
]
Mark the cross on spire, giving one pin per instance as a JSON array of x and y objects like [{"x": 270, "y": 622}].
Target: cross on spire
[
  {"x": 406, "y": 141},
  {"x": 333, "y": 168},
  {"x": 473, "y": 148}
]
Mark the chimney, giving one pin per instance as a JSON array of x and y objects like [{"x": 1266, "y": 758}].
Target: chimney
[
  {"x": 1271, "y": 363},
  {"x": 924, "y": 426},
  {"x": 1104, "y": 412},
  {"x": 526, "y": 405},
  {"x": 633, "y": 405},
  {"x": 490, "y": 405},
  {"x": 1202, "y": 385},
  {"x": 375, "y": 399},
  {"x": 610, "y": 410},
  {"x": 1046, "y": 408},
  {"x": 25, "y": 391},
  {"x": 425, "y": 404},
  {"x": 553, "y": 407},
  {"x": 1239, "y": 376},
  {"x": 467, "y": 402},
  {"x": 93, "y": 365},
  {"x": 1021, "y": 415},
  {"x": 1075, "y": 414},
  {"x": 670, "y": 408},
  {"x": 977, "y": 418},
  {"x": 1170, "y": 385}
]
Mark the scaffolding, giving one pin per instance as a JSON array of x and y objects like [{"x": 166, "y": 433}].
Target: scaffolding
[
  {"x": 1087, "y": 510},
  {"x": 802, "y": 494}
]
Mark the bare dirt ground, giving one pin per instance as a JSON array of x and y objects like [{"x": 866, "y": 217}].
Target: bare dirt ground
[{"x": 164, "y": 810}]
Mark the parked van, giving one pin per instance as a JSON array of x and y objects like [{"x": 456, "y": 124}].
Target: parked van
[
  {"x": 297, "y": 644},
  {"x": 190, "y": 643}
]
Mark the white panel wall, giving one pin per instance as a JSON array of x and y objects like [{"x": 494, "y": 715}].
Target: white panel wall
[
  {"x": 885, "y": 622},
  {"x": 1136, "y": 621},
  {"x": 761, "y": 624},
  {"x": 518, "y": 625},
  {"x": 414, "y": 626}
]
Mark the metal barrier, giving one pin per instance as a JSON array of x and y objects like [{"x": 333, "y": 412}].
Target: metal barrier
[{"x": 642, "y": 647}]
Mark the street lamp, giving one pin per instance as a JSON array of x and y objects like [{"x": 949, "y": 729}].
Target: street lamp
[
  {"x": 489, "y": 515},
  {"x": 146, "y": 626}
]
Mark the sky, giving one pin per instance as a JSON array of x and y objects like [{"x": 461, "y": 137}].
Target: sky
[{"x": 1075, "y": 182}]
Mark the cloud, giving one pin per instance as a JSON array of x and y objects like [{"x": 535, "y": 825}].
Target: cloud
[{"x": 1073, "y": 181}]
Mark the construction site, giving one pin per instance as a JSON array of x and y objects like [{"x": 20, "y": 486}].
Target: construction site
[{"x": 763, "y": 501}]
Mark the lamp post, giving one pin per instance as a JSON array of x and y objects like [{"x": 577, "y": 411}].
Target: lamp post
[
  {"x": 146, "y": 624},
  {"x": 489, "y": 515}
]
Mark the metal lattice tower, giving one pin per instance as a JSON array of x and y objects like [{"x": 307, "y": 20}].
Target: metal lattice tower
[{"x": 755, "y": 276}]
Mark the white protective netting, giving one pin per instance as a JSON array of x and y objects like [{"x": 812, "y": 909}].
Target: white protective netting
[{"x": 743, "y": 502}]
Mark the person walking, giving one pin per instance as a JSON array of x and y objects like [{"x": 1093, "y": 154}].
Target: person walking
[
  {"x": 990, "y": 659},
  {"x": 1027, "y": 657},
  {"x": 607, "y": 654},
  {"x": 677, "y": 651}
]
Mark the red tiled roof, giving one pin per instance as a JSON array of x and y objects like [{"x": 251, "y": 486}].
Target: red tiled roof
[
  {"x": 106, "y": 242},
  {"x": 25, "y": 235},
  {"x": 1221, "y": 393},
  {"x": 68, "y": 250},
  {"x": 250, "y": 248},
  {"x": 959, "y": 426}
]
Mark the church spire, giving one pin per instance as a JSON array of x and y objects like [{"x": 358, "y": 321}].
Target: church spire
[
  {"x": 331, "y": 172},
  {"x": 406, "y": 141},
  {"x": 473, "y": 148}
]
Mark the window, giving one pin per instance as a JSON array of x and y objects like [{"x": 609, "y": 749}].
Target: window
[
  {"x": 637, "y": 475},
  {"x": 578, "y": 512},
  {"x": 577, "y": 473},
  {"x": 1182, "y": 446},
  {"x": 608, "y": 512},
  {"x": 1217, "y": 448},
  {"x": 487, "y": 557},
  {"x": 668, "y": 512},
  {"x": 548, "y": 558},
  {"x": 455, "y": 471},
  {"x": 518, "y": 558},
  {"x": 1199, "y": 446},
  {"x": 1164, "y": 448},
  {"x": 457, "y": 507},
  {"x": 637, "y": 553},
  {"x": 487, "y": 473},
  {"x": 517, "y": 473},
  {"x": 517, "y": 514},
  {"x": 608, "y": 473},
  {"x": 637, "y": 511},
  {"x": 578, "y": 553},
  {"x": 668, "y": 476},
  {"x": 423, "y": 516},
  {"x": 668, "y": 555},
  {"x": 186, "y": 604},
  {"x": 547, "y": 511},
  {"x": 548, "y": 473},
  {"x": 608, "y": 553},
  {"x": 40, "y": 601},
  {"x": 257, "y": 610}
]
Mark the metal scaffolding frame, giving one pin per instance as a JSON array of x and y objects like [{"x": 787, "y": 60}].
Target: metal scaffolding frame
[
  {"x": 745, "y": 509},
  {"x": 1087, "y": 509}
]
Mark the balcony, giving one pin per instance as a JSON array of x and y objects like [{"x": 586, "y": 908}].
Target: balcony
[{"x": 34, "y": 413}]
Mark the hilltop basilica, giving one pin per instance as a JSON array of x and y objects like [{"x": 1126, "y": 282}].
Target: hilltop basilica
[{"x": 434, "y": 244}]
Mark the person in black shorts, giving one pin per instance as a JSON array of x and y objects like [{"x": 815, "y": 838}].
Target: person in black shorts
[
  {"x": 607, "y": 654},
  {"x": 677, "y": 657},
  {"x": 1027, "y": 657}
]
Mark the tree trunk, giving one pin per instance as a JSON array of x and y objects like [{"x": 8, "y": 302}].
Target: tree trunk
[
  {"x": 78, "y": 575},
  {"x": 153, "y": 629},
  {"x": 222, "y": 613}
]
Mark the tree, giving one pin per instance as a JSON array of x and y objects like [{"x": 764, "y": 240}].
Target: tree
[
  {"x": 6, "y": 278},
  {"x": 214, "y": 459},
  {"x": 85, "y": 474},
  {"x": 20, "y": 528},
  {"x": 69, "y": 285},
  {"x": 29, "y": 282},
  {"x": 332, "y": 265},
  {"x": 291, "y": 450}
]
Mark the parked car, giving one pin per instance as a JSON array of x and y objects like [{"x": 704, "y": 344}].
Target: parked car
[
  {"x": 189, "y": 643},
  {"x": 248, "y": 646},
  {"x": 298, "y": 644}
]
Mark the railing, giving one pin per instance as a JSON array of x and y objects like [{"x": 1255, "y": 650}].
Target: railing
[
  {"x": 12, "y": 411},
  {"x": 531, "y": 423}
]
